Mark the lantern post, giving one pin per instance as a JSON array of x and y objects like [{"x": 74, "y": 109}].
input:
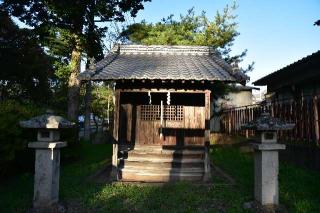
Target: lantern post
[
  {"x": 47, "y": 159},
  {"x": 266, "y": 157}
]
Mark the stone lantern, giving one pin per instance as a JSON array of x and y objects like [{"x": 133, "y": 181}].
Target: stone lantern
[
  {"x": 47, "y": 159},
  {"x": 266, "y": 160}
]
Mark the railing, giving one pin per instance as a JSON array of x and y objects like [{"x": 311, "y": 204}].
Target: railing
[{"x": 304, "y": 112}]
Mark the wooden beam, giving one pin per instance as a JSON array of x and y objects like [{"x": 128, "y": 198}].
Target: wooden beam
[
  {"x": 115, "y": 135},
  {"x": 162, "y": 90},
  {"x": 207, "y": 172}
]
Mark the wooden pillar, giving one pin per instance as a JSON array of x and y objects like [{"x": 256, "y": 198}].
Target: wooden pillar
[
  {"x": 207, "y": 172},
  {"x": 115, "y": 135},
  {"x": 246, "y": 120}
]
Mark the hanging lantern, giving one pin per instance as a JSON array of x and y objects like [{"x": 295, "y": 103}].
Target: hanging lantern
[{"x": 168, "y": 98}]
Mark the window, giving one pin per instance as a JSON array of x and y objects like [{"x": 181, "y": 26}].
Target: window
[{"x": 170, "y": 112}]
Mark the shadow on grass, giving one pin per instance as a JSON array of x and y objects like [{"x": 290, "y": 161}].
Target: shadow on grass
[{"x": 175, "y": 197}]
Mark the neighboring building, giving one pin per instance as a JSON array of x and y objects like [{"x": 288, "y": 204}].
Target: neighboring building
[
  {"x": 259, "y": 96},
  {"x": 162, "y": 108},
  {"x": 293, "y": 94},
  {"x": 239, "y": 96},
  {"x": 299, "y": 79}
]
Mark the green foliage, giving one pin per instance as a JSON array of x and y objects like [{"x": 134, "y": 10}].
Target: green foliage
[
  {"x": 13, "y": 139},
  {"x": 191, "y": 29},
  {"x": 67, "y": 30},
  {"x": 62, "y": 71},
  {"x": 101, "y": 96},
  {"x": 25, "y": 68},
  {"x": 64, "y": 25}
]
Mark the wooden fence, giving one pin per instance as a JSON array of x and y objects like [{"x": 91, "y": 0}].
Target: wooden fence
[{"x": 304, "y": 113}]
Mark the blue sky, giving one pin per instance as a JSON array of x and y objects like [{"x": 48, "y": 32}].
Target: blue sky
[{"x": 275, "y": 32}]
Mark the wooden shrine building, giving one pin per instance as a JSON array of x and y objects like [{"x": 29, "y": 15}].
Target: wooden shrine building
[{"x": 162, "y": 109}]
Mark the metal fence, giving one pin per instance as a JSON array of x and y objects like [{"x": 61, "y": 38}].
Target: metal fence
[{"x": 304, "y": 112}]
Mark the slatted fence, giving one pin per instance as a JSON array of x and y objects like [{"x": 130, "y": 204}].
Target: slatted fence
[{"x": 304, "y": 112}]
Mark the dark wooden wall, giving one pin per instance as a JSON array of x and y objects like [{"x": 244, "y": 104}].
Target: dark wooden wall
[{"x": 188, "y": 131}]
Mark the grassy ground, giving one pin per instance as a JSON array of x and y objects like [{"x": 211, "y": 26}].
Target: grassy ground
[
  {"x": 298, "y": 188},
  {"x": 16, "y": 193},
  {"x": 82, "y": 195}
]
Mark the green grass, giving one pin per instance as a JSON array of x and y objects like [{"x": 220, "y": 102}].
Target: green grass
[
  {"x": 299, "y": 188},
  {"x": 81, "y": 195},
  {"x": 16, "y": 193}
]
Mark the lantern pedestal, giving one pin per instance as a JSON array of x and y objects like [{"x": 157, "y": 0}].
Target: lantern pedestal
[
  {"x": 46, "y": 178},
  {"x": 266, "y": 169},
  {"x": 266, "y": 157}
]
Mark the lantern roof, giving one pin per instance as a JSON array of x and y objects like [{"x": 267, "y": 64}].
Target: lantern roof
[
  {"x": 265, "y": 122},
  {"x": 47, "y": 121}
]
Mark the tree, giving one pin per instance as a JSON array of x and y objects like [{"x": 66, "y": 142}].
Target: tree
[
  {"x": 102, "y": 104},
  {"x": 191, "y": 29},
  {"x": 75, "y": 18},
  {"x": 25, "y": 67}
]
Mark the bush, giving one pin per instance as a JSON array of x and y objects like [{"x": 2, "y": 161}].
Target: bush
[{"x": 14, "y": 155}]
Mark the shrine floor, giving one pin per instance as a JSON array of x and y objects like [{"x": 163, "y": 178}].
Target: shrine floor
[{"x": 231, "y": 187}]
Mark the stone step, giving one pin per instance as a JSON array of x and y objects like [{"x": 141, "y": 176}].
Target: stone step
[
  {"x": 148, "y": 164},
  {"x": 159, "y": 177}
]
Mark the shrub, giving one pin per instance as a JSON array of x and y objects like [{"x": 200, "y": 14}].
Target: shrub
[{"x": 14, "y": 155}]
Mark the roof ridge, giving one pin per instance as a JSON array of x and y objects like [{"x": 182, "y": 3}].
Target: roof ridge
[{"x": 165, "y": 49}]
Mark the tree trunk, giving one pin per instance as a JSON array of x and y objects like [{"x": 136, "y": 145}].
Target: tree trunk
[
  {"x": 87, "y": 113},
  {"x": 74, "y": 83}
]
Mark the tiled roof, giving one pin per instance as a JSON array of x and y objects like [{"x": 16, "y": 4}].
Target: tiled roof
[
  {"x": 163, "y": 63},
  {"x": 298, "y": 68}
]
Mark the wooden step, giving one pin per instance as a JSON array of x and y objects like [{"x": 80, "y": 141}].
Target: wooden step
[
  {"x": 159, "y": 177},
  {"x": 163, "y": 159},
  {"x": 161, "y": 164},
  {"x": 171, "y": 155},
  {"x": 159, "y": 148},
  {"x": 168, "y": 151},
  {"x": 124, "y": 163},
  {"x": 156, "y": 170}
]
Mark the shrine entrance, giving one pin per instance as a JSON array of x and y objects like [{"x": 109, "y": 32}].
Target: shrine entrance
[{"x": 159, "y": 118}]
